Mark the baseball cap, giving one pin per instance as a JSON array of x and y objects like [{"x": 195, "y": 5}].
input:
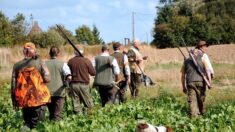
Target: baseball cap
[{"x": 30, "y": 45}]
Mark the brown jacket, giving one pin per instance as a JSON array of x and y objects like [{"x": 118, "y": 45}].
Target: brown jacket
[{"x": 81, "y": 68}]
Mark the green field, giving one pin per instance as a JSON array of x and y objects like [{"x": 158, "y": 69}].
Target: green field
[{"x": 162, "y": 104}]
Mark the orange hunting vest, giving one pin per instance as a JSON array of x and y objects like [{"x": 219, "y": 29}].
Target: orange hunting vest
[{"x": 30, "y": 90}]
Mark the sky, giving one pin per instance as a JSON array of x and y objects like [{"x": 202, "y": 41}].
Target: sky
[{"x": 113, "y": 18}]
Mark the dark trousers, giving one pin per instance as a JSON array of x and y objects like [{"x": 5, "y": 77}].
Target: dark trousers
[
  {"x": 107, "y": 94},
  {"x": 56, "y": 107},
  {"x": 33, "y": 115},
  {"x": 135, "y": 84},
  {"x": 121, "y": 92},
  {"x": 80, "y": 93},
  {"x": 196, "y": 97}
]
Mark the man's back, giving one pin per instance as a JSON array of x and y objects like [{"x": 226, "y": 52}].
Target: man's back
[
  {"x": 56, "y": 71},
  {"x": 27, "y": 76},
  {"x": 81, "y": 68},
  {"x": 104, "y": 75}
]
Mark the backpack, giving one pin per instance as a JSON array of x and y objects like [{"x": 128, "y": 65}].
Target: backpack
[{"x": 30, "y": 89}]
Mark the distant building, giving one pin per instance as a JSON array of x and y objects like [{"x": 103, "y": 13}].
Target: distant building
[{"x": 35, "y": 29}]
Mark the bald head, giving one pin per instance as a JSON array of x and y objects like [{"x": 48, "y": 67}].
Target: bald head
[{"x": 136, "y": 43}]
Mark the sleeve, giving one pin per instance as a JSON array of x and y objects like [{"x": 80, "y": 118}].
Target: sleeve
[
  {"x": 45, "y": 72},
  {"x": 207, "y": 63},
  {"x": 93, "y": 62},
  {"x": 13, "y": 86},
  {"x": 13, "y": 79},
  {"x": 115, "y": 67},
  {"x": 183, "y": 68},
  {"x": 126, "y": 66},
  {"x": 66, "y": 70},
  {"x": 91, "y": 68}
]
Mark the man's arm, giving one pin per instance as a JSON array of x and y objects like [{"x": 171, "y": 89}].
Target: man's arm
[
  {"x": 183, "y": 82},
  {"x": 66, "y": 72},
  {"x": 116, "y": 68},
  {"x": 208, "y": 67},
  {"x": 91, "y": 69},
  {"x": 13, "y": 86},
  {"x": 127, "y": 69},
  {"x": 45, "y": 72}
]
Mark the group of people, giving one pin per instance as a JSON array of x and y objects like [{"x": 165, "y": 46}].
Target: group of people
[{"x": 37, "y": 84}]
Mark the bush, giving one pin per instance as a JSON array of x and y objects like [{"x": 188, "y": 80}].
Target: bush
[{"x": 47, "y": 39}]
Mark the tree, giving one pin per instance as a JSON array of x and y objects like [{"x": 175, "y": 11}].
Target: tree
[
  {"x": 47, "y": 39},
  {"x": 68, "y": 33},
  {"x": 18, "y": 28},
  {"x": 84, "y": 35},
  {"x": 53, "y": 38},
  {"x": 96, "y": 33},
  {"x": 210, "y": 20},
  {"x": 5, "y": 31}
]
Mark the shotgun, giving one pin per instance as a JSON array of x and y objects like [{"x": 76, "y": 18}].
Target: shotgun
[
  {"x": 70, "y": 42},
  {"x": 197, "y": 66},
  {"x": 181, "y": 52}
]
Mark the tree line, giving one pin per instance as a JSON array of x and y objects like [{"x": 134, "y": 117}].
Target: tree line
[
  {"x": 194, "y": 20},
  {"x": 18, "y": 31}
]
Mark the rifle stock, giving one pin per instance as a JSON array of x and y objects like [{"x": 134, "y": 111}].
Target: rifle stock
[
  {"x": 197, "y": 66},
  {"x": 70, "y": 42}
]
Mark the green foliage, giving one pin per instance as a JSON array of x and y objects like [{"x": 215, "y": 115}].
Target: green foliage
[
  {"x": 165, "y": 109},
  {"x": 18, "y": 29},
  {"x": 53, "y": 38},
  {"x": 47, "y": 39},
  {"x": 68, "y": 33},
  {"x": 212, "y": 21},
  {"x": 96, "y": 33},
  {"x": 84, "y": 35},
  {"x": 5, "y": 31},
  {"x": 38, "y": 39}
]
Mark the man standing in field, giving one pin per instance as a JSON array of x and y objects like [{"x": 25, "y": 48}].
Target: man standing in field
[
  {"x": 124, "y": 76},
  {"x": 81, "y": 68},
  {"x": 193, "y": 84},
  {"x": 28, "y": 88},
  {"x": 60, "y": 73},
  {"x": 106, "y": 69},
  {"x": 136, "y": 67},
  {"x": 202, "y": 46}
]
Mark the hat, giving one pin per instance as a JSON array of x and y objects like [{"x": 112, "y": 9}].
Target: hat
[
  {"x": 105, "y": 47},
  {"x": 201, "y": 43},
  {"x": 116, "y": 45},
  {"x": 30, "y": 45}
]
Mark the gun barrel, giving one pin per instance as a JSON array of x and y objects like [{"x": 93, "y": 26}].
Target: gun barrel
[
  {"x": 71, "y": 43},
  {"x": 181, "y": 52}
]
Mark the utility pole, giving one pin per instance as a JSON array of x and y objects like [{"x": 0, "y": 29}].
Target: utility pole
[
  {"x": 126, "y": 41},
  {"x": 133, "y": 26}
]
